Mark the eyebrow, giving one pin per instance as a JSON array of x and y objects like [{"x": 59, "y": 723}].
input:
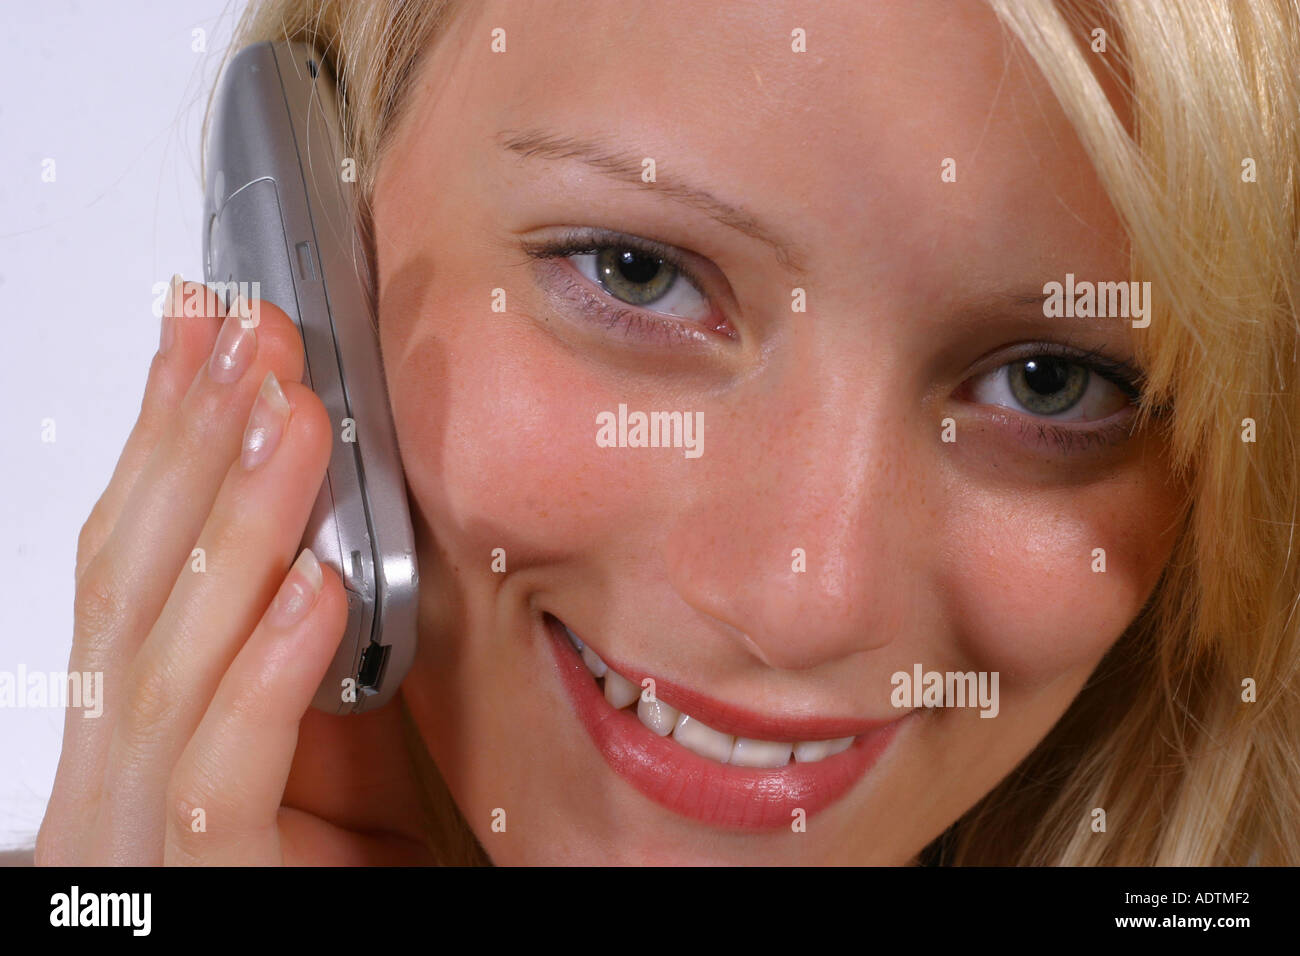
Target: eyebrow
[
  {"x": 616, "y": 163},
  {"x": 1023, "y": 303},
  {"x": 1015, "y": 303}
]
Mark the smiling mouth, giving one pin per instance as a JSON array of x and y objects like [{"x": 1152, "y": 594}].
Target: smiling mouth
[
  {"x": 729, "y": 772},
  {"x": 692, "y": 733}
]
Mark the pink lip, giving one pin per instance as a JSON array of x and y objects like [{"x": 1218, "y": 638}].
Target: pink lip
[{"x": 701, "y": 789}]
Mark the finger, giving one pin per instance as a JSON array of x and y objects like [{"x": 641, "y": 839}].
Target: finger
[
  {"x": 194, "y": 316},
  {"x": 224, "y": 795},
  {"x": 125, "y": 585},
  {"x": 190, "y": 322},
  {"x": 250, "y": 536}
]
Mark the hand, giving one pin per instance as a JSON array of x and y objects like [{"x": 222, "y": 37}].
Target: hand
[{"x": 208, "y": 667}]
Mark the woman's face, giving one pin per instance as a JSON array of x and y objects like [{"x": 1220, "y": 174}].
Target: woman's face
[{"x": 813, "y": 533}]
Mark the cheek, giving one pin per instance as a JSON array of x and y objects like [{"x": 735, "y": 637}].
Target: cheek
[
  {"x": 1027, "y": 593},
  {"x": 498, "y": 434}
]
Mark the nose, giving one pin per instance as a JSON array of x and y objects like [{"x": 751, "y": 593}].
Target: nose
[{"x": 807, "y": 524}]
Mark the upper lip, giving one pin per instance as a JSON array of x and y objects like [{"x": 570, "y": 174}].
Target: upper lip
[{"x": 742, "y": 722}]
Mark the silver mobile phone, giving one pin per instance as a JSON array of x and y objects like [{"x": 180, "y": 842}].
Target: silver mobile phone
[{"x": 279, "y": 211}]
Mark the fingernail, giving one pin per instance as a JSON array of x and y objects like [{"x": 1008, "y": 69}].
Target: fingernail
[
  {"x": 172, "y": 309},
  {"x": 298, "y": 592},
  {"x": 265, "y": 423},
  {"x": 248, "y": 312},
  {"x": 233, "y": 352}
]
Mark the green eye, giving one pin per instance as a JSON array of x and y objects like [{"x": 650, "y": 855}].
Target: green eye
[
  {"x": 1064, "y": 387},
  {"x": 633, "y": 277},
  {"x": 648, "y": 277},
  {"x": 1046, "y": 385}
]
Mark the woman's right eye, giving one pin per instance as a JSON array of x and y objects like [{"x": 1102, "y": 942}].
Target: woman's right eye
[
  {"x": 644, "y": 288},
  {"x": 635, "y": 278}
]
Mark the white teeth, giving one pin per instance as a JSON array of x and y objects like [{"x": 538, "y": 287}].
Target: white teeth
[
  {"x": 658, "y": 716},
  {"x": 705, "y": 741},
  {"x": 619, "y": 691},
  {"x": 593, "y": 662},
  {"x": 589, "y": 657},
  {"x": 809, "y": 751},
  {"x": 760, "y": 753},
  {"x": 573, "y": 639},
  {"x": 663, "y": 719}
]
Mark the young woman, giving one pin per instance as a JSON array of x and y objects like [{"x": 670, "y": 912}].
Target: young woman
[{"x": 986, "y": 317}]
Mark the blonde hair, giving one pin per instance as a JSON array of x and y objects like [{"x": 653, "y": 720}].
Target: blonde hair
[{"x": 1187, "y": 771}]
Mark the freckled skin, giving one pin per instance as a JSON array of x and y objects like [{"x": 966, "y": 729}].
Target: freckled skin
[{"x": 821, "y": 428}]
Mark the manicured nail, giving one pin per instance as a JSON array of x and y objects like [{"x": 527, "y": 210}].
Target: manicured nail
[
  {"x": 171, "y": 309},
  {"x": 249, "y": 313},
  {"x": 298, "y": 592},
  {"x": 233, "y": 352},
  {"x": 265, "y": 423}
]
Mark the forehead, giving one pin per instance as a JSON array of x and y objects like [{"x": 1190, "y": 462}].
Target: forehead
[{"x": 843, "y": 142}]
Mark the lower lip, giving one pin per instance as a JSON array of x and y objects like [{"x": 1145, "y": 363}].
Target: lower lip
[{"x": 693, "y": 786}]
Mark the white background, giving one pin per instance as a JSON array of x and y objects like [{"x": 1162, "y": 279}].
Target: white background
[{"x": 114, "y": 93}]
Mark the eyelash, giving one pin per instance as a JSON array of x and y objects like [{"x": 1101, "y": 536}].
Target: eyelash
[
  {"x": 643, "y": 324},
  {"x": 640, "y": 323},
  {"x": 1070, "y": 441},
  {"x": 1124, "y": 376}
]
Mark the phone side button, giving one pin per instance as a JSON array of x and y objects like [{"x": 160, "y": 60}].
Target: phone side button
[
  {"x": 351, "y": 658},
  {"x": 306, "y": 262}
]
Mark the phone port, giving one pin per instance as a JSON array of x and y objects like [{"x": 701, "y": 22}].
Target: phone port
[{"x": 371, "y": 671}]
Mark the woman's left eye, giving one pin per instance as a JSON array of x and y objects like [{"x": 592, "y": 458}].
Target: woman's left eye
[{"x": 1054, "y": 387}]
